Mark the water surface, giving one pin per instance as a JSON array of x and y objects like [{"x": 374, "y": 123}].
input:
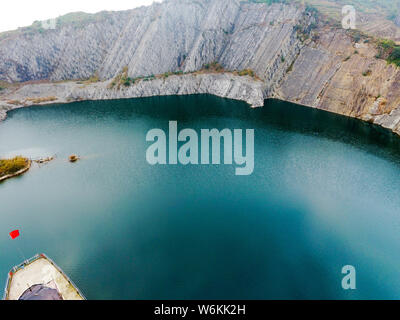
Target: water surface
[{"x": 324, "y": 194}]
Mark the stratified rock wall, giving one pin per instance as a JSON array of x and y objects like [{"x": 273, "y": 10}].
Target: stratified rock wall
[
  {"x": 174, "y": 35},
  {"x": 324, "y": 68},
  {"x": 345, "y": 78}
]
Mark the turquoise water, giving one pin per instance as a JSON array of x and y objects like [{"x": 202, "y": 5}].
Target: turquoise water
[{"x": 324, "y": 194}]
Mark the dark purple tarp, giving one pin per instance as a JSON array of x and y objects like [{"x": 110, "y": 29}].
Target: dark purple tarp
[{"x": 40, "y": 292}]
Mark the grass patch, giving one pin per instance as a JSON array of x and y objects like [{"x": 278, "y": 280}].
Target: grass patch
[
  {"x": 213, "y": 67},
  {"x": 389, "y": 51},
  {"x": 246, "y": 72},
  {"x": 11, "y": 166},
  {"x": 122, "y": 79},
  {"x": 93, "y": 79}
]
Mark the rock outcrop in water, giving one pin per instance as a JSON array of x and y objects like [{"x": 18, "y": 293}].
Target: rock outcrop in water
[
  {"x": 322, "y": 68},
  {"x": 10, "y": 168}
]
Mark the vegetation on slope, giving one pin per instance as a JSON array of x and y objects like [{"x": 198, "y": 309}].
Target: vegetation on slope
[
  {"x": 123, "y": 80},
  {"x": 389, "y": 51}
]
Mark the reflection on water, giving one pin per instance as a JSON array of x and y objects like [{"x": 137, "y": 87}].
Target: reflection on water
[{"x": 324, "y": 194}]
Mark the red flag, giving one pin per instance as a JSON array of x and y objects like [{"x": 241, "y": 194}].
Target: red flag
[{"x": 14, "y": 234}]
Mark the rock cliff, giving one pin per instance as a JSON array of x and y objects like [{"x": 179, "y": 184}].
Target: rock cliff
[{"x": 291, "y": 57}]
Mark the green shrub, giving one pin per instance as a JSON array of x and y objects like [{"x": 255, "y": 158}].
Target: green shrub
[
  {"x": 214, "y": 66},
  {"x": 389, "y": 51},
  {"x": 247, "y": 72}
]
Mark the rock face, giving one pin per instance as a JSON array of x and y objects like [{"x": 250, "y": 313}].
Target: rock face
[
  {"x": 324, "y": 68},
  {"x": 174, "y": 35},
  {"x": 336, "y": 75}
]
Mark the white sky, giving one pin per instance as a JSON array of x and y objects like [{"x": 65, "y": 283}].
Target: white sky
[{"x": 21, "y": 13}]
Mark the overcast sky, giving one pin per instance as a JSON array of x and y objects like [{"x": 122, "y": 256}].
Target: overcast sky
[{"x": 21, "y": 13}]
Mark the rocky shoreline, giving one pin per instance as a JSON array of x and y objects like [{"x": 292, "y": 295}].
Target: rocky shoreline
[{"x": 225, "y": 85}]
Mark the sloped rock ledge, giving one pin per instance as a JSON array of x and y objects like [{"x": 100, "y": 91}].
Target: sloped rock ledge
[{"x": 225, "y": 85}]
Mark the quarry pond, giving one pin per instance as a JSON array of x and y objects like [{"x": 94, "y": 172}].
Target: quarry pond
[{"x": 324, "y": 193}]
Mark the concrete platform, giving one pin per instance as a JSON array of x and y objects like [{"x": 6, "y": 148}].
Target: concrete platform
[{"x": 40, "y": 270}]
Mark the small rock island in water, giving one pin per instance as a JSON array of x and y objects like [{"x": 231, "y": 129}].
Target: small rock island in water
[{"x": 13, "y": 167}]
